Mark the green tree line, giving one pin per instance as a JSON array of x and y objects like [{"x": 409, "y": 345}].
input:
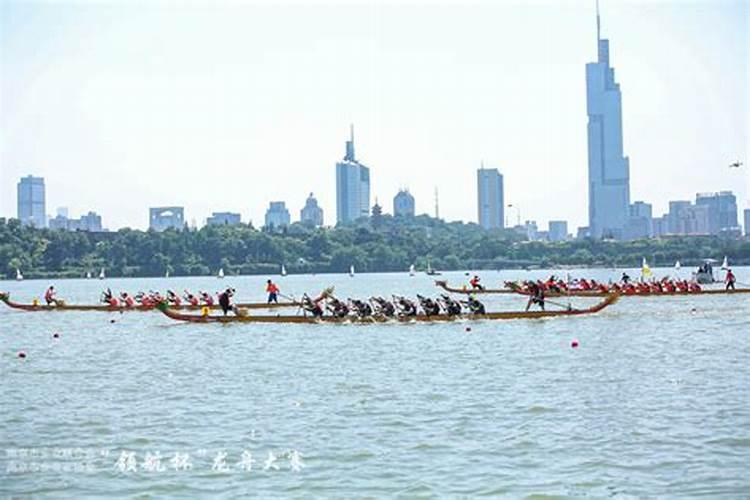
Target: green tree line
[{"x": 376, "y": 244}]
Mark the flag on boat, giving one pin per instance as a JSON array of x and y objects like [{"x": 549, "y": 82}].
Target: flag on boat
[{"x": 645, "y": 270}]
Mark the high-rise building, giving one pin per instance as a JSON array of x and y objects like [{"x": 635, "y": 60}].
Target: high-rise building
[
  {"x": 722, "y": 211},
  {"x": 311, "y": 214},
  {"x": 352, "y": 186},
  {"x": 747, "y": 222},
  {"x": 89, "y": 222},
  {"x": 558, "y": 230},
  {"x": 277, "y": 215},
  {"x": 224, "y": 219},
  {"x": 640, "y": 216},
  {"x": 403, "y": 204},
  {"x": 32, "y": 210},
  {"x": 609, "y": 170},
  {"x": 490, "y": 201},
  {"x": 163, "y": 218}
]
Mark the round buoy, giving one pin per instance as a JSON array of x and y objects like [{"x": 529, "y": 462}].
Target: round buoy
[
  {"x": 574, "y": 343},
  {"x": 55, "y": 335},
  {"x": 111, "y": 321},
  {"x": 468, "y": 328},
  {"x": 21, "y": 354}
]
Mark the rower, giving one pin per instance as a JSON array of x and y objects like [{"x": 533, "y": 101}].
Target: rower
[
  {"x": 191, "y": 299},
  {"x": 383, "y": 307},
  {"x": 127, "y": 299},
  {"x": 429, "y": 306},
  {"x": 452, "y": 307},
  {"x": 406, "y": 306},
  {"x": 474, "y": 282},
  {"x": 337, "y": 308},
  {"x": 173, "y": 298},
  {"x": 207, "y": 299},
  {"x": 49, "y": 296},
  {"x": 109, "y": 299},
  {"x": 312, "y": 306},
  {"x": 730, "y": 280},
  {"x": 363, "y": 309},
  {"x": 475, "y": 307},
  {"x": 273, "y": 292}
]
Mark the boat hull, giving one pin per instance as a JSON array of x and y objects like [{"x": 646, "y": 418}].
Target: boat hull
[
  {"x": 421, "y": 318},
  {"x": 4, "y": 297}
]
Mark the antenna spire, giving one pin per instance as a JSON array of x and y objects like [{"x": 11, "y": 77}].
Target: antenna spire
[{"x": 598, "y": 24}]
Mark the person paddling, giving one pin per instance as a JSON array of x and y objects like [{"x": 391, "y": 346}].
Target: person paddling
[
  {"x": 730, "y": 279},
  {"x": 273, "y": 292}
]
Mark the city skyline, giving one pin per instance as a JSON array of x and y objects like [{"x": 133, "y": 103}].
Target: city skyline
[{"x": 426, "y": 109}]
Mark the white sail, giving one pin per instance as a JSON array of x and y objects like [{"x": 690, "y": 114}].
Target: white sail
[
  {"x": 725, "y": 264},
  {"x": 411, "y": 270},
  {"x": 429, "y": 267},
  {"x": 283, "y": 270},
  {"x": 677, "y": 265},
  {"x": 88, "y": 275},
  {"x": 221, "y": 273},
  {"x": 351, "y": 271},
  {"x": 19, "y": 276},
  {"x": 166, "y": 275},
  {"x": 101, "y": 274}
]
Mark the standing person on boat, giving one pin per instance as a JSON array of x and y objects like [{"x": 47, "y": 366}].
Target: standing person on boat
[
  {"x": 474, "y": 282},
  {"x": 49, "y": 296},
  {"x": 536, "y": 296},
  {"x": 625, "y": 278},
  {"x": 273, "y": 292},
  {"x": 730, "y": 279},
  {"x": 225, "y": 300}
]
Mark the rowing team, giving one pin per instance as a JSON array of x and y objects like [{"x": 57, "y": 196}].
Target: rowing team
[
  {"x": 152, "y": 298},
  {"x": 665, "y": 285},
  {"x": 397, "y": 306}
]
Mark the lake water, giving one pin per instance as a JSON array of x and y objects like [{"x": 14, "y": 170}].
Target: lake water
[{"x": 654, "y": 402}]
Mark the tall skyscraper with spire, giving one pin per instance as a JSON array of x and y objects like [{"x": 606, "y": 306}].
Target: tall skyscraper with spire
[
  {"x": 352, "y": 186},
  {"x": 609, "y": 170}
]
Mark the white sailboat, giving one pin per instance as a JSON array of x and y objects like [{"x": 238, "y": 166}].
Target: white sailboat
[
  {"x": 283, "y": 270},
  {"x": 351, "y": 271},
  {"x": 101, "y": 274},
  {"x": 88, "y": 275},
  {"x": 19, "y": 276},
  {"x": 412, "y": 272},
  {"x": 430, "y": 271},
  {"x": 221, "y": 273},
  {"x": 166, "y": 275},
  {"x": 725, "y": 264},
  {"x": 677, "y": 266}
]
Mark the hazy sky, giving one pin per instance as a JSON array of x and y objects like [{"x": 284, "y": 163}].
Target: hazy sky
[{"x": 225, "y": 106}]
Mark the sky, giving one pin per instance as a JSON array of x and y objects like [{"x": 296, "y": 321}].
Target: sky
[{"x": 228, "y": 105}]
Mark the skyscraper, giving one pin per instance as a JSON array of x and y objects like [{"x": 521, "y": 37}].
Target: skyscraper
[
  {"x": 609, "y": 170},
  {"x": 747, "y": 222},
  {"x": 352, "y": 186},
  {"x": 311, "y": 214},
  {"x": 31, "y": 201},
  {"x": 722, "y": 211},
  {"x": 403, "y": 203},
  {"x": 491, "y": 205},
  {"x": 277, "y": 215}
]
